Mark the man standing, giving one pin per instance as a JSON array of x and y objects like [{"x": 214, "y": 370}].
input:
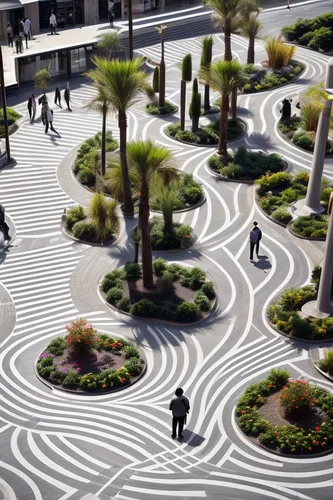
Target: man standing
[
  {"x": 255, "y": 237},
  {"x": 26, "y": 31},
  {"x": 53, "y": 23},
  {"x": 67, "y": 96},
  {"x": 180, "y": 406},
  {"x": 57, "y": 97}
]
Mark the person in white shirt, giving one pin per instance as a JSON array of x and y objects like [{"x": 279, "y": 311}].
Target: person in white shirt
[{"x": 53, "y": 23}]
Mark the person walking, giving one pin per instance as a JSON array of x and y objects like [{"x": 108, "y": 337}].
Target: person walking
[
  {"x": 10, "y": 35},
  {"x": 57, "y": 97},
  {"x": 67, "y": 96},
  {"x": 18, "y": 44},
  {"x": 26, "y": 30},
  {"x": 111, "y": 17},
  {"x": 3, "y": 224},
  {"x": 32, "y": 108},
  {"x": 49, "y": 120},
  {"x": 53, "y": 23},
  {"x": 255, "y": 237},
  {"x": 180, "y": 406}
]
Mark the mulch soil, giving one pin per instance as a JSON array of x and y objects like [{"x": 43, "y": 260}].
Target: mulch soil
[
  {"x": 135, "y": 290},
  {"x": 92, "y": 361},
  {"x": 276, "y": 414}
]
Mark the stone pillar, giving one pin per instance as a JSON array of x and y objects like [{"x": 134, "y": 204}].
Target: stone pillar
[
  {"x": 321, "y": 308},
  {"x": 312, "y": 199},
  {"x": 31, "y": 10},
  {"x": 91, "y": 12},
  {"x": 4, "y": 19}
]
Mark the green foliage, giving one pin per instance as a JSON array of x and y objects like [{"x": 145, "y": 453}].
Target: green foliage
[
  {"x": 143, "y": 308},
  {"x": 132, "y": 270},
  {"x": 124, "y": 304},
  {"x": 311, "y": 227},
  {"x": 179, "y": 237},
  {"x": 74, "y": 215},
  {"x": 289, "y": 125},
  {"x": 156, "y": 79},
  {"x": 326, "y": 364},
  {"x": 294, "y": 298},
  {"x": 159, "y": 265},
  {"x": 114, "y": 295},
  {"x": 187, "y": 311},
  {"x": 42, "y": 79},
  {"x": 270, "y": 182},
  {"x": 107, "y": 43},
  {"x": 86, "y": 231},
  {"x": 187, "y": 68},
  {"x": 193, "y": 195},
  {"x": 202, "y": 301},
  {"x": 209, "y": 290},
  {"x": 207, "y": 51},
  {"x": 133, "y": 366},
  {"x": 168, "y": 108},
  {"x": 57, "y": 346},
  {"x": 296, "y": 396},
  {"x": 112, "y": 279},
  {"x": 12, "y": 117},
  {"x": 72, "y": 380},
  {"x": 206, "y": 135},
  {"x": 131, "y": 351},
  {"x": 278, "y": 378},
  {"x": 262, "y": 80},
  {"x": 315, "y": 33},
  {"x": 279, "y": 54},
  {"x": 282, "y": 214}
]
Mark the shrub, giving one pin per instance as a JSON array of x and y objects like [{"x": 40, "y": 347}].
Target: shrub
[
  {"x": 167, "y": 281},
  {"x": 296, "y": 396},
  {"x": 278, "y": 378},
  {"x": 209, "y": 290},
  {"x": 303, "y": 140},
  {"x": 311, "y": 227},
  {"x": 159, "y": 266},
  {"x": 232, "y": 171},
  {"x": 202, "y": 301},
  {"x": 187, "y": 68},
  {"x": 290, "y": 125},
  {"x": 12, "y": 117},
  {"x": 187, "y": 311},
  {"x": 133, "y": 366},
  {"x": 294, "y": 298},
  {"x": 270, "y": 182},
  {"x": 143, "y": 308},
  {"x": 279, "y": 54},
  {"x": 72, "y": 380},
  {"x": 131, "y": 351},
  {"x": 86, "y": 176},
  {"x": 172, "y": 129},
  {"x": 301, "y": 178},
  {"x": 322, "y": 39},
  {"x": 113, "y": 279},
  {"x": 114, "y": 295},
  {"x": 187, "y": 136},
  {"x": 193, "y": 195},
  {"x": 168, "y": 108},
  {"x": 86, "y": 231},
  {"x": 132, "y": 270},
  {"x": 326, "y": 364},
  {"x": 73, "y": 216},
  {"x": 57, "y": 346},
  {"x": 282, "y": 214},
  {"x": 124, "y": 304},
  {"x": 197, "y": 278},
  {"x": 81, "y": 335}
]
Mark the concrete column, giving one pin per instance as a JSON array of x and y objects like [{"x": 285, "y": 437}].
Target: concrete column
[
  {"x": 31, "y": 10},
  {"x": 312, "y": 199},
  {"x": 91, "y": 13},
  {"x": 321, "y": 308}
]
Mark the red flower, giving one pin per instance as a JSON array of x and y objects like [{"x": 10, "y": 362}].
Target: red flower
[
  {"x": 276, "y": 433},
  {"x": 317, "y": 428}
]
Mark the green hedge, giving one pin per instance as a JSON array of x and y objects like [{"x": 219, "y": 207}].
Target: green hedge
[
  {"x": 287, "y": 439},
  {"x": 189, "y": 193},
  {"x": 262, "y": 79},
  {"x": 168, "y": 275},
  {"x": 12, "y": 117},
  {"x": 207, "y": 135},
  {"x": 315, "y": 33},
  {"x": 246, "y": 164},
  {"x": 168, "y": 108},
  {"x": 311, "y": 227},
  {"x": 180, "y": 237}
]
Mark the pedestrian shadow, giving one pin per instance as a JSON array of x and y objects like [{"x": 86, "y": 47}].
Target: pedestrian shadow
[
  {"x": 192, "y": 439},
  {"x": 262, "y": 263}
]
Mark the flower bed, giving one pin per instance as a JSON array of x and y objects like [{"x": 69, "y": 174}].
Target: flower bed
[
  {"x": 284, "y": 313},
  {"x": 277, "y": 191},
  {"x": 179, "y": 293},
  {"x": 85, "y": 162},
  {"x": 85, "y": 360},
  {"x": 245, "y": 164},
  {"x": 207, "y": 135},
  {"x": 188, "y": 193},
  {"x": 287, "y": 416},
  {"x": 293, "y": 130},
  {"x": 262, "y": 78},
  {"x": 167, "y": 109},
  {"x": 311, "y": 227},
  {"x": 316, "y": 33},
  {"x": 12, "y": 117}
]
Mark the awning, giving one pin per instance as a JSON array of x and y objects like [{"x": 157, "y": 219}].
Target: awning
[
  {"x": 25, "y": 2},
  {"x": 10, "y": 4}
]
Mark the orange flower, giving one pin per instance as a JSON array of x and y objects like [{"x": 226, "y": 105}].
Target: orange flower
[
  {"x": 104, "y": 386},
  {"x": 310, "y": 448},
  {"x": 314, "y": 442},
  {"x": 243, "y": 411},
  {"x": 276, "y": 433},
  {"x": 122, "y": 380}
]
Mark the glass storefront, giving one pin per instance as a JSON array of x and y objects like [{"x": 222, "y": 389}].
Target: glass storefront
[{"x": 68, "y": 13}]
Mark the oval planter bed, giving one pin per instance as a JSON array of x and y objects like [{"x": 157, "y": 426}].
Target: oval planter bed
[
  {"x": 79, "y": 224},
  {"x": 285, "y": 315},
  {"x": 276, "y": 192},
  {"x": 168, "y": 109},
  {"x": 186, "y": 194},
  {"x": 262, "y": 78},
  {"x": 291, "y": 129},
  {"x": 179, "y": 294},
  {"x": 12, "y": 117},
  {"x": 207, "y": 135},
  {"x": 85, "y": 360},
  {"x": 310, "y": 228},
  {"x": 286, "y": 416},
  {"x": 246, "y": 165}
]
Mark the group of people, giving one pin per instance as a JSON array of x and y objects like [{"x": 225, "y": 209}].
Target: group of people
[
  {"x": 46, "y": 112},
  {"x": 23, "y": 32}
]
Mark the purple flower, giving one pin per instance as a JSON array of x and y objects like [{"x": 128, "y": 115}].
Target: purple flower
[
  {"x": 78, "y": 369},
  {"x": 46, "y": 355}
]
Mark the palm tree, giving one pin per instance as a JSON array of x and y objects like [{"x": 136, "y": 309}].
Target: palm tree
[
  {"x": 229, "y": 15},
  {"x": 167, "y": 197},
  {"x": 148, "y": 162},
  {"x": 101, "y": 105},
  {"x": 104, "y": 213},
  {"x": 122, "y": 83},
  {"x": 223, "y": 77},
  {"x": 250, "y": 28},
  {"x": 107, "y": 43}
]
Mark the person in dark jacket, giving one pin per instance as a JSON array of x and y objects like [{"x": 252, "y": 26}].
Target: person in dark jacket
[
  {"x": 180, "y": 406},
  {"x": 57, "y": 97},
  {"x": 32, "y": 107},
  {"x": 255, "y": 237},
  {"x": 10, "y": 35},
  {"x": 67, "y": 96}
]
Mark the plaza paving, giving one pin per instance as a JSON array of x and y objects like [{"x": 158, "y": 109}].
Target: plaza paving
[{"x": 62, "y": 446}]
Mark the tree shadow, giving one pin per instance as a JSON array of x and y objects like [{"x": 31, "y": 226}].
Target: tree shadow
[{"x": 259, "y": 141}]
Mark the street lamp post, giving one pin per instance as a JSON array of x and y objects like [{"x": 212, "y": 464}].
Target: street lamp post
[
  {"x": 130, "y": 28},
  {"x": 4, "y": 107}
]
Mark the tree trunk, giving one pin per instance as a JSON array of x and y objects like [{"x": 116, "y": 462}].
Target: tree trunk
[
  {"x": 182, "y": 104},
  {"x": 168, "y": 222},
  {"x": 147, "y": 257},
  {"x": 222, "y": 146},
  {"x": 128, "y": 207},
  {"x": 195, "y": 123},
  {"x": 227, "y": 43},
  {"x": 161, "y": 96},
  {"x": 234, "y": 104},
  {"x": 206, "y": 98},
  {"x": 250, "y": 50},
  {"x": 136, "y": 255},
  {"x": 103, "y": 148}
]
